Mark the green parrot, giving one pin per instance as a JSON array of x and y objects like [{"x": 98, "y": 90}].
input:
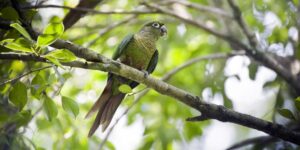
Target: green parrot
[{"x": 136, "y": 50}]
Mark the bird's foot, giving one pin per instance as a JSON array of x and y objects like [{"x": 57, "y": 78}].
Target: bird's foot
[{"x": 146, "y": 74}]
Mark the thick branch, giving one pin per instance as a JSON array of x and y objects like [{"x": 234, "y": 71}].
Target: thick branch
[
  {"x": 165, "y": 78},
  {"x": 73, "y": 16},
  {"x": 211, "y": 111},
  {"x": 25, "y": 23}
]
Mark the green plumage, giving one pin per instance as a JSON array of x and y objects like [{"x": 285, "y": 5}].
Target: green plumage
[{"x": 138, "y": 51}]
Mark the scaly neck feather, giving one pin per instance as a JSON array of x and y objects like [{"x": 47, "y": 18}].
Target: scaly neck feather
[{"x": 147, "y": 35}]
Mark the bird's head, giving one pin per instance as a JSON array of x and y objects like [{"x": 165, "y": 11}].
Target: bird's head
[{"x": 155, "y": 28}]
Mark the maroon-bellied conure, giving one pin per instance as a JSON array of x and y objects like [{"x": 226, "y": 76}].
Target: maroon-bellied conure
[{"x": 136, "y": 50}]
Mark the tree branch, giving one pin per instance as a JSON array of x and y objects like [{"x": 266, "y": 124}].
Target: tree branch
[
  {"x": 73, "y": 16},
  {"x": 23, "y": 20},
  {"x": 257, "y": 140},
  {"x": 211, "y": 111},
  {"x": 168, "y": 75},
  {"x": 201, "y": 8},
  {"x": 165, "y": 78},
  {"x": 92, "y": 11},
  {"x": 23, "y": 75},
  {"x": 109, "y": 28},
  {"x": 239, "y": 19}
]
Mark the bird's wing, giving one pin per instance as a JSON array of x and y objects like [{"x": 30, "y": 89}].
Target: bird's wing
[
  {"x": 153, "y": 62},
  {"x": 122, "y": 46},
  {"x": 150, "y": 68}
]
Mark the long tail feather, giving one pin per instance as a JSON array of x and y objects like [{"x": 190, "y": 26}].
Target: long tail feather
[
  {"x": 110, "y": 110},
  {"x": 106, "y": 113},
  {"x": 102, "y": 100}
]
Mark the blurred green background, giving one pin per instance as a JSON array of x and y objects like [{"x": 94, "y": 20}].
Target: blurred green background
[{"x": 155, "y": 121}]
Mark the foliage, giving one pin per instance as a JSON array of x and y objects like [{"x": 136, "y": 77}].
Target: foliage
[{"x": 66, "y": 94}]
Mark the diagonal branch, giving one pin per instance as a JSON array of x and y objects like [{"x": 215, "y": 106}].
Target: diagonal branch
[
  {"x": 23, "y": 75},
  {"x": 201, "y": 8},
  {"x": 109, "y": 28},
  {"x": 238, "y": 17},
  {"x": 25, "y": 23},
  {"x": 211, "y": 111},
  {"x": 168, "y": 75},
  {"x": 257, "y": 140},
  {"x": 165, "y": 78},
  {"x": 73, "y": 16}
]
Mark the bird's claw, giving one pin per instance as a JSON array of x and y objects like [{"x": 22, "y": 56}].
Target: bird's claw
[{"x": 146, "y": 74}]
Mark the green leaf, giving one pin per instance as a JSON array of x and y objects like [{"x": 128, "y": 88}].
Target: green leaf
[
  {"x": 297, "y": 103},
  {"x": 21, "y": 30},
  {"x": 124, "y": 88},
  {"x": 38, "y": 85},
  {"x": 46, "y": 39},
  {"x": 50, "y": 34},
  {"x": 110, "y": 145},
  {"x": 227, "y": 102},
  {"x": 147, "y": 143},
  {"x": 191, "y": 130},
  {"x": 286, "y": 113},
  {"x": 253, "y": 67},
  {"x": 54, "y": 60},
  {"x": 9, "y": 13},
  {"x": 62, "y": 55},
  {"x": 52, "y": 78},
  {"x": 50, "y": 108},
  {"x": 55, "y": 19},
  {"x": 23, "y": 118},
  {"x": 18, "y": 95},
  {"x": 70, "y": 106},
  {"x": 19, "y": 44}
]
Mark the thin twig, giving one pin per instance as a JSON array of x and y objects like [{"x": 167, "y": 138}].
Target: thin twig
[
  {"x": 91, "y": 10},
  {"x": 109, "y": 28},
  {"x": 200, "y": 58},
  {"x": 201, "y": 8},
  {"x": 37, "y": 111},
  {"x": 256, "y": 140},
  {"x": 23, "y": 75}
]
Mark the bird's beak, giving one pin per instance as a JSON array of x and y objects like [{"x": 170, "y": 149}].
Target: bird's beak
[{"x": 163, "y": 30}]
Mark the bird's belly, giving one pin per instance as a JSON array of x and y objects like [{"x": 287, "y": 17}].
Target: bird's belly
[{"x": 138, "y": 58}]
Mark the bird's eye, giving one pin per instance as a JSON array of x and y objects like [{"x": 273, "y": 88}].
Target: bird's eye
[{"x": 155, "y": 25}]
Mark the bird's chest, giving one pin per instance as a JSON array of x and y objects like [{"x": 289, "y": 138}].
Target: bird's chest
[{"x": 139, "y": 53}]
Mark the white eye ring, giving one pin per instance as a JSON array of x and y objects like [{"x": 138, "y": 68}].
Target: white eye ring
[{"x": 155, "y": 25}]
